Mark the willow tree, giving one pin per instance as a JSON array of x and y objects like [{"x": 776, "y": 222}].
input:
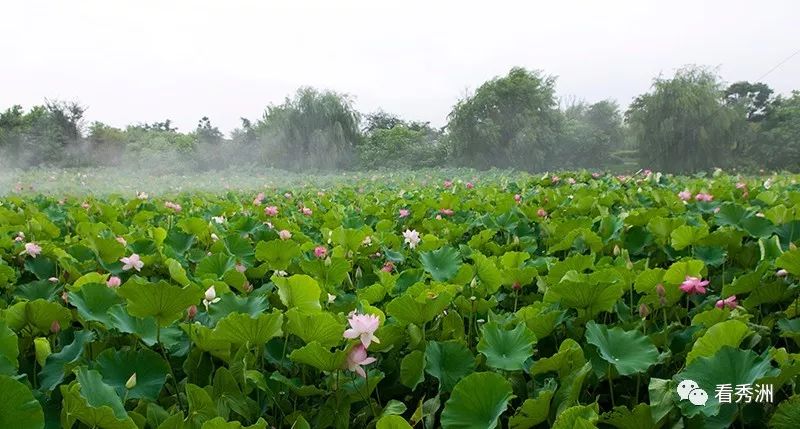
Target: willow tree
[
  {"x": 510, "y": 121},
  {"x": 313, "y": 130},
  {"x": 684, "y": 125}
]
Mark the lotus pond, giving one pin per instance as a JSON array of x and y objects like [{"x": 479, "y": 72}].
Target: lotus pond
[{"x": 447, "y": 299}]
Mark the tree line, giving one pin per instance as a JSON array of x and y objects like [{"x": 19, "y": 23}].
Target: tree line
[{"x": 688, "y": 122}]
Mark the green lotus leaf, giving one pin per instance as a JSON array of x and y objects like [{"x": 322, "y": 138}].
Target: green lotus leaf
[
  {"x": 442, "y": 264},
  {"x": 727, "y": 333},
  {"x": 299, "y": 291},
  {"x": 38, "y": 314},
  {"x": 506, "y": 349},
  {"x": 330, "y": 273},
  {"x": 407, "y": 309},
  {"x": 629, "y": 352},
  {"x": 392, "y": 422},
  {"x": 93, "y": 302},
  {"x": 639, "y": 417},
  {"x": 591, "y": 293},
  {"x": 241, "y": 329},
  {"x": 252, "y": 305},
  {"x": 117, "y": 367},
  {"x": 727, "y": 366},
  {"x": 201, "y": 406},
  {"x": 277, "y": 253},
  {"x": 93, "y": 403},
  {"x": 535, "y": 410},
  {"x": 577, "y": 417},
  {"x": 18, "y": 407},
  {"x": 9, "y": 350},
  {"x": 568, "y": 359},
  {"x": 214, "y": 266},
  {"x": 320, "y": 357},
  {"x": 685, "y": 236},
  {"x": 540, "y": 318},
  {"x": 61, "y": 363},
  {"x": 412, "y": 369},
  {"x": 787, "y": 414},
  {"x": 177, "y": 273},
  {"x": 477, "y": 402},
  {"x": 162, "y": 300},
  {"x": 790, "y": 261},
  {"x": 448, "y": 361},
  {"x": 220, "y": 423},
  {"x": 321, "y": 327}
]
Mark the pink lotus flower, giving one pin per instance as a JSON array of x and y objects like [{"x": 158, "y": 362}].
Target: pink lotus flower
[
  {"x": 191, "y": 312},
  {"x": 132, "y": 261},
  {"x": 541, "y": 212},
  {"x": 446, "y": 212},
  {"x": 55, "y": 327},
  {"x": 438, "y": 217},
  {"x": 287, "y": 195},
  {"x": 306, "y": 211},
  {"x": 448, "y": 184},
  {"x": 271, "y": 211},
  {"x": 388, "y": 267},
  {"x": 555, "y": 179},
  {"x": 596, "y": 175},
  {"x": 174, "y": 206},
  {"x": 284, "y": 234},
  {"x": 470, "y": 185},
  {"x": 363, "y": 326},
  {"x": 517, "y": 198},
  {"x": 781, "y": 273},
  {"x": 240, "y": 268},
  {"x": 571, "y": 181},
  {"x": 85, "y": 205},
  {"x": 741, "y": 185},
  {"x": 404, "y": 212},
  {"x": 122, "y": 241},
  {"x": 358, "y": 357},
  {"x": 704, "y": 197},
  {"x": 729, "y": 302},
  {"x": 685, "y": 195},
  {"x": 320, "y": 252},
  {"x": 32, "y": 249},
  {"x": 113, "y": 282},
  {"x": 694, "y": 285},
  {"x": 20, "y": 237},
  {"x": 259, "y": 198}
]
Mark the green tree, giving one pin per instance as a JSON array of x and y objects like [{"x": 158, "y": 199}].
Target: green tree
[
  {"x": 756, "y": 98},
  {"x": 313, "y": 130},
  {"x": 394, "y": 143},
  {"x": 49, "y": 134},
  {"x": 683, "y": 125},
  {"x": 779, "y": 145},
  {"x": 589, "y": 135},
  {"x": 510, "y": 121}
]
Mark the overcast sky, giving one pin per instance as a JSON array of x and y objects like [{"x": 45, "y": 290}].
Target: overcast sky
[{"x": 144, "y": 61}]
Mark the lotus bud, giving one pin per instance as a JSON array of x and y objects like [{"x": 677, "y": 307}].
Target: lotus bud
[
  {"x": 210, "y": 294},
  {"x": 42, "y": 347},
  {"x": 629, "y": 265},
  {"x": 782, "y": 273},
  {"x": 55, "y": 327},
  {"x": 516, "y": 286},
  {"x": 792, "y": 246},
  {"x": 660, "y": 290},
  {"x": 616, "y": 250},
  {"x": 53, "y": 279},
  {"x": 662, "y": 301},
  {"x": 191, "y": 312},
  {"x": 358, "y": 272},
  {"x": 474, "y": 282},
  {"x": 644, "y": 310},
  {"x": 131, "y": 383}
]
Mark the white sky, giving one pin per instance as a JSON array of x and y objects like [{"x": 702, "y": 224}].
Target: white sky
[{"x": 143, "y": 61}]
